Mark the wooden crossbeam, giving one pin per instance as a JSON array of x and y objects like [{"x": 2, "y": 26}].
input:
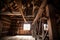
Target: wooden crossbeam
[
  {"x": 9, "y": 13},
  {"x": 20, "y": 10},
  {"x": 40, "y": 11}
]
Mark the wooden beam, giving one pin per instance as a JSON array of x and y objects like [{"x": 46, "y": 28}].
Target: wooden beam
[
  {"x": 33, "y": 8},
  {"x": 20, "y": 10},
  {"x": 22, "y": 14},
  {"x": 9, "y": 13},
  {"x": 5, "y": 19},
  {"x": 49, "y": 24},
  {"x": 53, "y": 26},
  {"x": 40, "y": 11},
  {"x": 5, "y": 22}
]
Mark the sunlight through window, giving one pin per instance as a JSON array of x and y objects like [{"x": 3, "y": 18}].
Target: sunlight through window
[
  {"x": 45, "y": 27},
  {"x": 26, "y": 27}
]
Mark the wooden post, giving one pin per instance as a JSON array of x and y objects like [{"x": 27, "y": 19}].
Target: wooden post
[
  {"x": 53, "y": 32},
  {"x": 49, "y": 24}
]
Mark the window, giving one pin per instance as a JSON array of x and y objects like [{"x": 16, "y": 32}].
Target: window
[
  {"x": 45, "y": 27},
  {"x": 26, "y": 27}
]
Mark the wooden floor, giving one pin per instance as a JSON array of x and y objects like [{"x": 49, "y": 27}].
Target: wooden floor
[{"x": 18, "y": 38}]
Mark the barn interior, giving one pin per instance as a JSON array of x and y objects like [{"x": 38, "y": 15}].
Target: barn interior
[{"x": 29, "y": 19}]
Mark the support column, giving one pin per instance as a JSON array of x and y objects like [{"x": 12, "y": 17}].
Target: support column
[{"x": 53, "y": 35}]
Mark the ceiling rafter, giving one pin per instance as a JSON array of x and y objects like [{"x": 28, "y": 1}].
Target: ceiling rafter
[
  {"x": 20, "y": 10},
  {"x": 40, "y": 11}
]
